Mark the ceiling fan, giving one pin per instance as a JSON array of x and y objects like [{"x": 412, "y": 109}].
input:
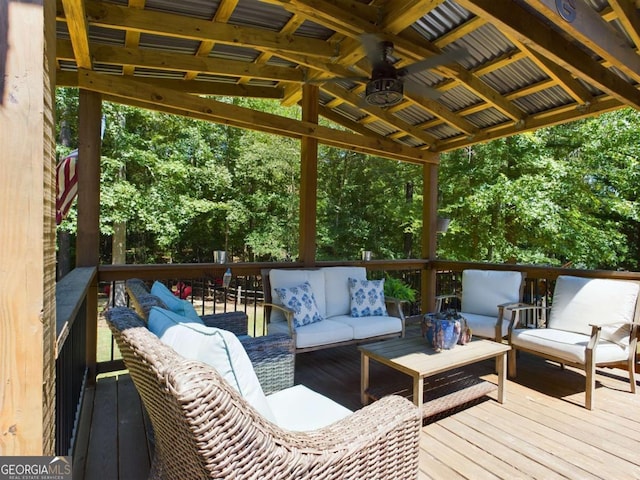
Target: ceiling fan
[{"x": 386, "y": 85}]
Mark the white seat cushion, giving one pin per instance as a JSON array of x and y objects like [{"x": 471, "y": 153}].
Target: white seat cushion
[
  {"x": 570, "y": 346},
  {"x": 365, "y": 327},
  {"x": 216, "y": 347},
  {"x": 578, "y": 302},
  {"x": 337, "y": 295},
  {"x": 483, "y": 325},
  {"x": 280, "y": 278},
  {"x": 300, "y": 409},
  {"x": 484, "y": 290},
  {"x": 322, "y": 333}
]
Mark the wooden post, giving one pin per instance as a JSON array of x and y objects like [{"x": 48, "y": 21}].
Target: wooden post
[
  {"x": 88, "y": 237},
  {"x": 429, "y": 220},
  {"x": 308, "y": 179},
  {"x": 27, "y": 228}
]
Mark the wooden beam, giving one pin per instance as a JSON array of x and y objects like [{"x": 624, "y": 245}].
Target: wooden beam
[
  {"x": 27, "y": 229},
  {"x": 627, "y": 13},
  {"x": 401, "y": 14},
  {"x": 581, "y": 21},
  {"x": 118, "y": 17},
  {"x": 520, "y": 24},
  {"x": 78, "y": 31},
  {"x": 88, "y": 229},
  {"x": 160, "y": 60},
  {"x": 429, "y": 234},
  {"x": 308, "y": 178},
  {"x": 200, "y": 87},
  {"x": 133, "y": 92},
  {"x": 131, "y": 38}
]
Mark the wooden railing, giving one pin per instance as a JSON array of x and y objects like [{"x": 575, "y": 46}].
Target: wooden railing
[
  {"x": 71, "y": 353},
  {"x": 245, "y": 295}
]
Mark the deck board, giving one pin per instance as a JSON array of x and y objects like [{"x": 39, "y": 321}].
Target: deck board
[{"x": 542, "y": 431}]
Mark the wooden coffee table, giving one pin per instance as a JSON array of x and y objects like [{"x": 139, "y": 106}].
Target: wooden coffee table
[{"x": 415, "y": 358}]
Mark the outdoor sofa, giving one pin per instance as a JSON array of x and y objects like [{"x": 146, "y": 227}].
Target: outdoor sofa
[{"x": 343, "y": 313}]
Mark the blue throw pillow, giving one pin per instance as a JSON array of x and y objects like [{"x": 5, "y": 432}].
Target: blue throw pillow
[
  {"x": 173, "y": 303},
  {"x": 300, "y": 299},
  {"x": 367, "y": 298}
]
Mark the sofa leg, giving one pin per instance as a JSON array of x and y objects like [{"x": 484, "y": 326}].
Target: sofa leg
[{"x": 632, "y": 372}]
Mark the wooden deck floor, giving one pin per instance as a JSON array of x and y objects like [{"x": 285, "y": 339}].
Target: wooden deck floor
[{"x": 542, "y": 431}]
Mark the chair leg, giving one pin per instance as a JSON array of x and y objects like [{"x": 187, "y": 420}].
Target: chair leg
[
  {"x": 511, "y": 369},
  {"x": 632, "y": 372},
  {"x": 590, "y": 386}
]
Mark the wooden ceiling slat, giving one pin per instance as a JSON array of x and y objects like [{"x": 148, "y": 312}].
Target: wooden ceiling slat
[{"x": 78, "y": 31}]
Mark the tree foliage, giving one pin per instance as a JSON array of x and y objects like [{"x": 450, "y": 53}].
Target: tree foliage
[{"x": 565, "y": 195}]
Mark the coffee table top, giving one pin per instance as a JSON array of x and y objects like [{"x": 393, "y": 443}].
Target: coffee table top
[{"x": 413, "y": 356}]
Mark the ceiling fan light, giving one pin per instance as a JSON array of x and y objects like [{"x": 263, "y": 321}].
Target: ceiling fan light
[{"x": 383, "y": 92}]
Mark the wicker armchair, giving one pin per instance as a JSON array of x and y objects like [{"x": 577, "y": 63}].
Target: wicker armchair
[
  {"x": 272, "y": 356},
  {"x": 205, "y": 429}
]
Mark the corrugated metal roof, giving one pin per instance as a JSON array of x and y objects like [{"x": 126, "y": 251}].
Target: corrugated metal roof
[
  {"x": 203, "y": 9},
  {"x": 442, "y": 19},
  {"x": 254, "y": 13},
  {"x": 173, "y": 45}
]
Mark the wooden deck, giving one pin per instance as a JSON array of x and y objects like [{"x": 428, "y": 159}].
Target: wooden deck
[{"x": 542, "y": 431}]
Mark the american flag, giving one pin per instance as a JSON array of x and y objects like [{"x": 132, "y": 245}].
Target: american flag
[{"x": 67, "y": 186}]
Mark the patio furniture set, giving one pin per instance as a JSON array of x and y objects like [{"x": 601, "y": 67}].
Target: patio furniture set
[{"x": 215, "y": 394}]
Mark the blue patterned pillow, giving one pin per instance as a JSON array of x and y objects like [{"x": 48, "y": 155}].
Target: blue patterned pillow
[
  {"x": 300, "y": 299},
  {"x": 367, "y": 298}
]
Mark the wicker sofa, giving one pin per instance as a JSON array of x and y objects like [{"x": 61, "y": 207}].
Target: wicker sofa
[
  {"x": 272, "y": 356},
  {"x": 205, "y": 429}
]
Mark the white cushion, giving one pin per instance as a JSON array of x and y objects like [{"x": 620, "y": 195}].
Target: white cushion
[
  {"x": 569, "y": 346},
  {"x": 484, "y": 290},
  {"x": 367, "y": 298},
  {"x": 301, "y": 300},
  {"x": 484, "y": 326},
  {"x": 216, "y": 347},
  {"x": 366, "y": 327},
  {"x": 337, "y": 296},
  {"x": 290, "y": 278},
  {"x": 300, "y": 409},
  {"x": 578, "y": 302},
  {"x": 322, "y": 333}
]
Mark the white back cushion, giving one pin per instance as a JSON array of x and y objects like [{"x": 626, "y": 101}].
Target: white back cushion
[
  {"x": 578, "y": 302},
  {"x": 280, "y": 278},
  {"x": 337, "y": 294},
  {"x": 216, "y": 347},
  {"x": 484, "y": 290}
]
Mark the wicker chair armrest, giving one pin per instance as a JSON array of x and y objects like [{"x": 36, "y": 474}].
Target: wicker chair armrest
[
  {"x": 235, "y": 322},
  {"x": 273, "y": 360},
  {"x": 381, "y": 432}
]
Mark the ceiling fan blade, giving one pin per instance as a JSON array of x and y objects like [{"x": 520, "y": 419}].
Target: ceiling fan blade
[
  {"x": 442, "y": 59},
  {"x": 374, "y": 48},
  {"x": 420, "y": 90}
]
